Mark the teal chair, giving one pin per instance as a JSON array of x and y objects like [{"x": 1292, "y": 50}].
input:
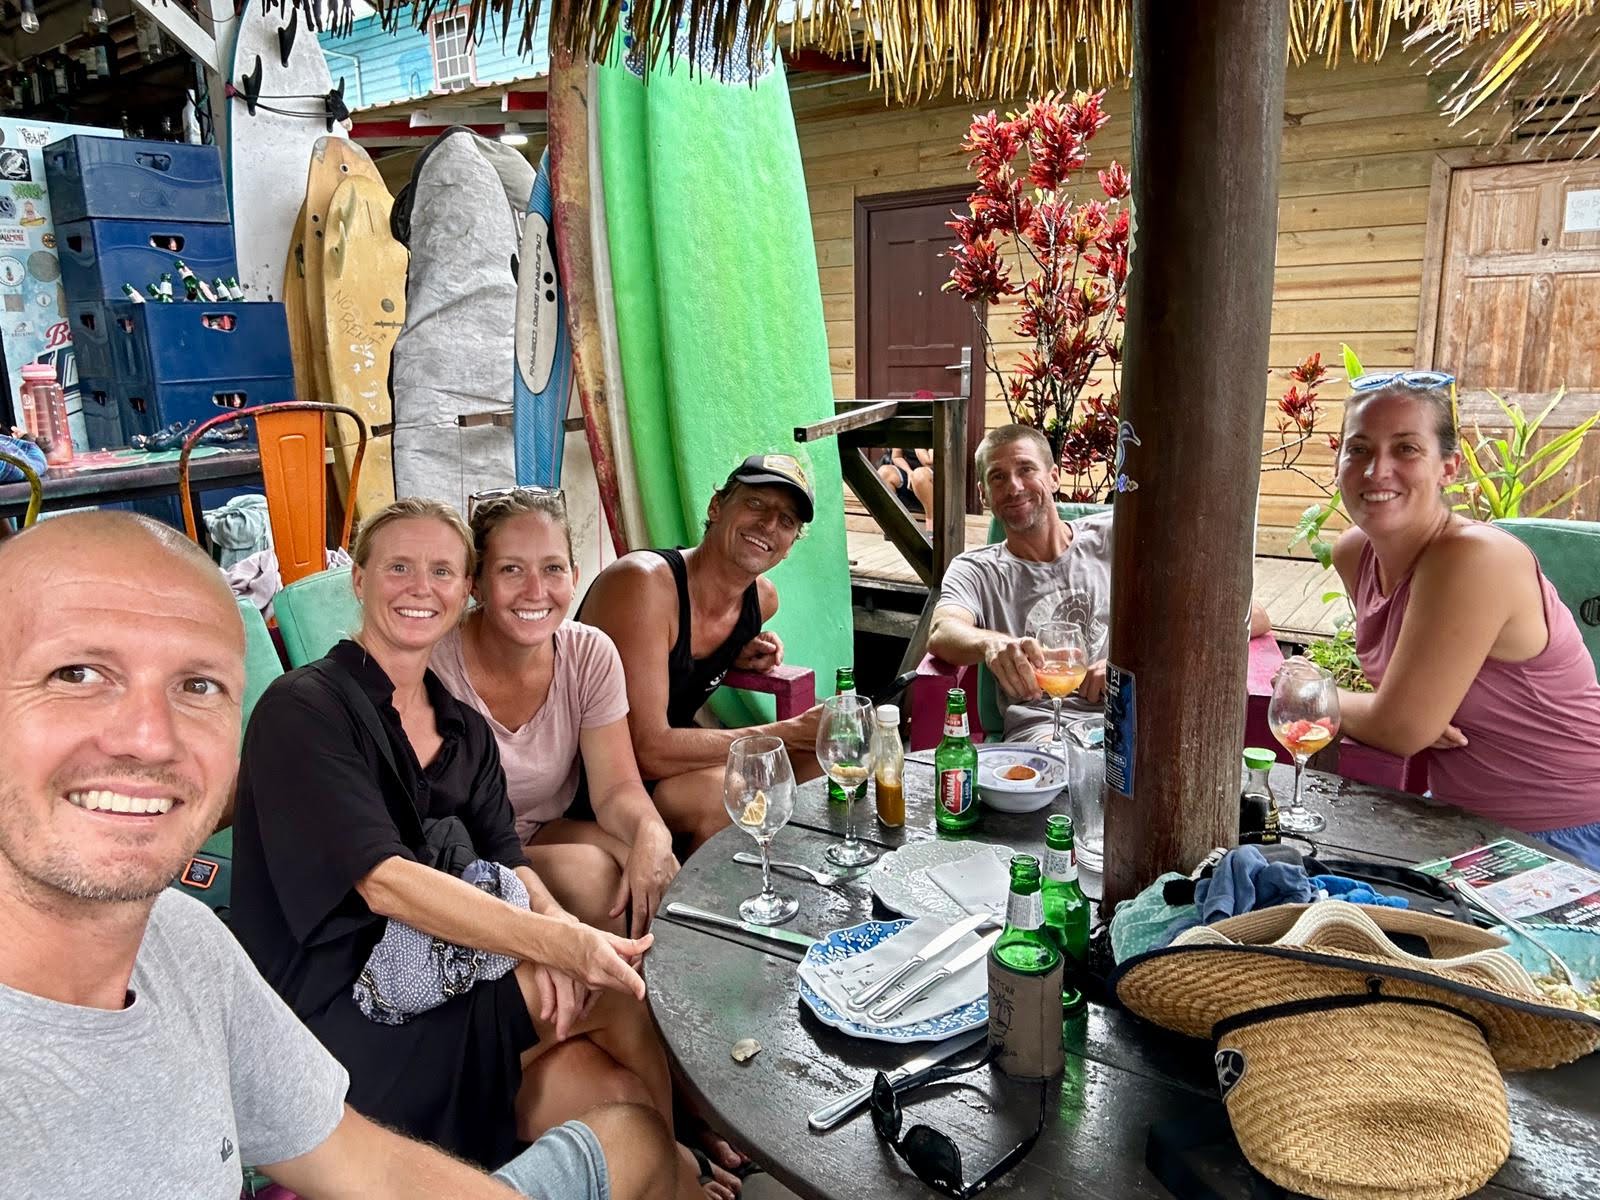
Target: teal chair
[
  {"x": 209, "y": 874},
  {"x": 315, "y": 612},
  {"x": 1569, "y": 555},
  {"x": 261, "y": 662}
]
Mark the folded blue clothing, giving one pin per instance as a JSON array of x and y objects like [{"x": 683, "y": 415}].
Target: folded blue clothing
[
  {"x": 1244, "y": 881},
  {"x": 1337, "y": 887}
]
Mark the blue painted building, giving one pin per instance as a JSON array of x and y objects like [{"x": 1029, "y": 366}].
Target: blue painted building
[{"x": 382, "y": 67}]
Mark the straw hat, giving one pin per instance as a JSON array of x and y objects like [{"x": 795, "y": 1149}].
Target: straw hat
[{"x": 1350, "y": 1068}]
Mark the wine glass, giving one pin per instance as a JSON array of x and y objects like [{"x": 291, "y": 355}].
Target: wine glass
[
  {"x": 758, "y": 792},
  {"x": 844, "y": 748},
  {"x": 1066, "y": 662},
  {"x": 1304, "y": 715}
]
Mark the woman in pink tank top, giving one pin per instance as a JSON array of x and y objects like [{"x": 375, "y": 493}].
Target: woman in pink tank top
[{"x": 1471, "y": 653}]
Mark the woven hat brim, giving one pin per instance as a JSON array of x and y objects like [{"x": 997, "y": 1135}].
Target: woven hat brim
[
  {"x": 1189, "y": 989},
  {"x": 1446, "y": 938}
]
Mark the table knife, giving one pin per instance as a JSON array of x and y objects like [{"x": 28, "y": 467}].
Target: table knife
[
  {"x": 770, "y": 932},
  {"x": 960, "y": 962},
  {"x": 928, "y": 953},
  {"x": 835, "y": 1111}
]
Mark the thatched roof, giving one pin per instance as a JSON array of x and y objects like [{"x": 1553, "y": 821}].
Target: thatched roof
[{"x": 997, "y": 48}]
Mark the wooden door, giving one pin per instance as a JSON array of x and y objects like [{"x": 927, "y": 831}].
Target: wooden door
[
  {"x": 910, "y": 335},
  {"x": 1519, "y": 304}
]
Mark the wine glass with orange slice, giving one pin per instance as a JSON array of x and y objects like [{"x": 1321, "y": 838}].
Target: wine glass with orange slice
[
  {"x": 1066, "y": 662},
  {"x": 758, "y": 792},
  {"x": 1304, "y": 716}
]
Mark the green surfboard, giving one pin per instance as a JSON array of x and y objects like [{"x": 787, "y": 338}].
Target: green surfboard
[{"x": 719, "y": 315}]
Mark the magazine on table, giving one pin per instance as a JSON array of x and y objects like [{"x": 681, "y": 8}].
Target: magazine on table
[{"x": 1526, "y": 884}]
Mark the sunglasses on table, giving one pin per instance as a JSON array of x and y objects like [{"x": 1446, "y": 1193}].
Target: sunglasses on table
[
  {"x": 931, "y": 1155},
  {"x": 1421, "y": 380}
]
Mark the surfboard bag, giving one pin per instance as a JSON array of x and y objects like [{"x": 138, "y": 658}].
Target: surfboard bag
[{"x": 461, "y": 216}]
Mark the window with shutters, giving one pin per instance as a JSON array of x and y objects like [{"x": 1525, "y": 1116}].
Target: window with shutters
[{"x": 454, "y": 61}]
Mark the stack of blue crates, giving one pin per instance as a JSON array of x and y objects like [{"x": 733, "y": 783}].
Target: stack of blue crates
[{"x": 125, "y": 212}]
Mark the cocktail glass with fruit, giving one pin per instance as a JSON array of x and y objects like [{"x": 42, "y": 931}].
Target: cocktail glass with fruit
[
  {"x": 844, "y": 748},
  {"x": 1304, "y": 715},
  {"x": 1066, "y": 662},
  {"x": 758, "y": 792}
]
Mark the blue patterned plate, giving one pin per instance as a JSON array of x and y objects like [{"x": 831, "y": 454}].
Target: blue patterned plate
[{"x": 842, "y": 944}]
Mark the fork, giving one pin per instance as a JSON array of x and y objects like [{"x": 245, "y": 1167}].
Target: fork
[
  {"x": 1477, "y": 900},
  {"x": 825, "y": 878}
]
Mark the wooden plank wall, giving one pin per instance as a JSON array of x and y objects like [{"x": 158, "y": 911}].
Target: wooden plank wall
[{"x": 1359, "y": 146}]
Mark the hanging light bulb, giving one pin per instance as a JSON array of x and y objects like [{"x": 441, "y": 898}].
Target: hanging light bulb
[
  {"x": 98, "y": 17},
  {"x": 30, "y": 19}
]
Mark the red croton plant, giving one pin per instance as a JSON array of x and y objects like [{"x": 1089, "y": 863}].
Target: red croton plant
[
  {"x": 1070, "y": 280},
  {"x": 1071, "y": 275}
]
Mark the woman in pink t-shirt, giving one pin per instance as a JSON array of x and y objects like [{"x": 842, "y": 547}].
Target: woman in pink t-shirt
[
  {"x": 553, "y": 693},
  {"x": 1471, "y": 652}
]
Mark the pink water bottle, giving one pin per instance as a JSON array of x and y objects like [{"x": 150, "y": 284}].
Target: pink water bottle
[{"x": 44, "y": 412}]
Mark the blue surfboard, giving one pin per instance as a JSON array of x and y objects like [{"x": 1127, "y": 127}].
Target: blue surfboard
[{"x": 544, "y": 350}]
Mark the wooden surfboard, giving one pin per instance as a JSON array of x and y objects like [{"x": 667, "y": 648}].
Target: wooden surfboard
[
  {"x": 333, "y": 160},
  {"x": 303, "y": 344},
  {"x": 364, "y": 285}
]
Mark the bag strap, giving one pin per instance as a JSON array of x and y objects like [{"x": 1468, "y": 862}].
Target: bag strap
[
  {"x": 361, "y": 704},
  {"x": 1166, "y": 1154}
]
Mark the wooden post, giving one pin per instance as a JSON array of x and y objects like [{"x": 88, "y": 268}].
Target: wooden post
[
  {"x": 1207, "y": 124},
  {"x": 951, "y": 461}
]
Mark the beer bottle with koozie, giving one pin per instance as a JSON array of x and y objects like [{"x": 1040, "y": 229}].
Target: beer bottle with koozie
[
  {"x": 844, "y": 681},
  {"x": 1025, "y": 982},
  {"x": 955, "y": 767},
  {"x": 1066, "y": 909},
  {"x": 1024, "y": 945}
]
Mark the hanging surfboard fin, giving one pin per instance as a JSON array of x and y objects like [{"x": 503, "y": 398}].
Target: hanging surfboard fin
[
  {"x": 286, "y": 35},
  {"x": 249, "y": 88},
  {"x": 338, "y": 110}
]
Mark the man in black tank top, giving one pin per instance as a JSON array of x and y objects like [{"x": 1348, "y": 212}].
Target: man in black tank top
[{"x": 682, "y": 619}]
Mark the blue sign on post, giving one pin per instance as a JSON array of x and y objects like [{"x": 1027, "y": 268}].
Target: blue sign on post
[{"x": 1120, "y": 727}]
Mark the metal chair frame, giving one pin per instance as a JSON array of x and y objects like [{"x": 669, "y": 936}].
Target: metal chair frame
[{"x": 35, "y": 486}]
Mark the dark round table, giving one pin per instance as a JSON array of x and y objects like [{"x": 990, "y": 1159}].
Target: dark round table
[{"x": 710, "y": 987}]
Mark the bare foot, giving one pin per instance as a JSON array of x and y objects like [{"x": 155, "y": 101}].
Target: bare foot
[{"x": 721, "y": 1184}]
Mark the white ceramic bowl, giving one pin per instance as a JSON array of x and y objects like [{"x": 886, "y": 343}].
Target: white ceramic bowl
[{"x": 1013, "y": 795}]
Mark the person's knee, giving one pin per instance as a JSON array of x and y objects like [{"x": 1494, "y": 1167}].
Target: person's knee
[
  {"x": 890, "y": 474},
  {"x": 638, "y": 1148},
  {"x": 922, "y": 475}
]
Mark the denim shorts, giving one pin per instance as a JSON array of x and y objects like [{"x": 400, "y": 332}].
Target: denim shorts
[
  {"x": 565, "y": 1164},
  {"x": 1580, "y": 841}
]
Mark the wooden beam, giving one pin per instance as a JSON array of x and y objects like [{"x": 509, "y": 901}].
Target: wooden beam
[
  {"x": 856, "y": 418},
  {"x": 1207, "y": 126},
  {"x": 890, "y": 514},
  {"x": 949, "y": 483},
  {"x": 896, "y": 431}
]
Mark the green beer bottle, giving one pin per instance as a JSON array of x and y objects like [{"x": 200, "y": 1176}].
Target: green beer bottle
[
  {"x": 955, "y": 768},
  {"x": 844, "y": 681},
  {"x": 1024, "y": 945},
  {"x": 1066, "y": 909}
]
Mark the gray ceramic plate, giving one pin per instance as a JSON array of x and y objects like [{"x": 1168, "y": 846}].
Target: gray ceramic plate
[{"x": 900, "y": 878}]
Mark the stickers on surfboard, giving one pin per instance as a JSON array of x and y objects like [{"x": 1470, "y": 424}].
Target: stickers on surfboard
[{"x": 543, "y": 347}]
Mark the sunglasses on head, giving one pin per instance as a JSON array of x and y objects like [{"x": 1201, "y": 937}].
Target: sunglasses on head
[
  {"x": 1421, "y": 380},
  {"x": 529, "y": 489},
  {"x": 931, "y": 1155}
]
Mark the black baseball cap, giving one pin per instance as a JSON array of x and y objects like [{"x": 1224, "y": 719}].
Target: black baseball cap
[{"x": 781, "y": 470}]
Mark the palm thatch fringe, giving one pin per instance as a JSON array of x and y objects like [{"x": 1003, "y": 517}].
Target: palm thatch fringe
[{"x": 997, "y": 48}]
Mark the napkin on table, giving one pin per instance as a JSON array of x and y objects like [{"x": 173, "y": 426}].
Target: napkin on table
[
  {"x": 979, "y": 883},
  {"x": 836, "y": 982}
]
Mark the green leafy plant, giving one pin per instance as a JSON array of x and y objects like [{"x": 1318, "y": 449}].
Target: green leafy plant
[
  {"x": 1337, "y": 655},
  {"x": 1504, "y": 470}
]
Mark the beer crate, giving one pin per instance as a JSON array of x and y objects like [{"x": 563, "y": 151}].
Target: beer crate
[
  {"x": 102, "y": 412},
  {"x": 149, "y": 406},
  {"x": 98, "y": 255},
  {"x": 137, "y": 180},
  {"x": 189, "y": 342}
]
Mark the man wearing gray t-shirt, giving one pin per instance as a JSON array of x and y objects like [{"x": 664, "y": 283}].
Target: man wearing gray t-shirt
[
  {"x": 993, "y": 599},
  {"x": 144, "y": 1056}
]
